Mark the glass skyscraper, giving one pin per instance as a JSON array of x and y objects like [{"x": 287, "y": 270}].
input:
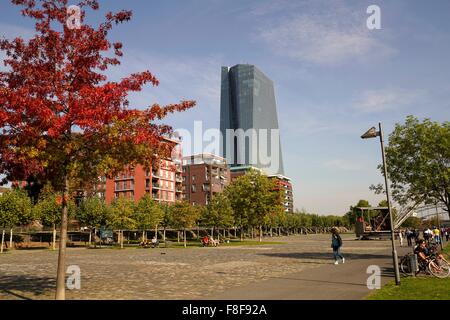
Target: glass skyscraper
[{"x": 248, "y": 119}]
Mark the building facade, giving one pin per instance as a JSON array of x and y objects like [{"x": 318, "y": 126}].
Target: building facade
[
  {"x": 248, "y": 108},
  {"x": 284, "y": 184},
  {"x": 203, "y": 176},
  {"x": 163, "y": 184}
]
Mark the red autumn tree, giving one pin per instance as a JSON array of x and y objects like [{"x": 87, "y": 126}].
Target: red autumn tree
[{"x": 61, "y": 119}]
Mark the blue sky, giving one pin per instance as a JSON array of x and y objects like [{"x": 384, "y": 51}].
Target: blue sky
[{"x": 334, "y": 78}]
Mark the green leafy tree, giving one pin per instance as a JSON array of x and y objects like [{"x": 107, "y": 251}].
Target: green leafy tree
[
  {"x": 218, "y": 213},
  {"x": 15, "y": 209},
  {"x": 148, "y": 214},
  {"x": 418, "y": 163},
  {"x": 253, "y": 196},
  {"x": 122, "y": 216},
  {"x": 183, "y": 216},
  {"x": 93, "y": 213},
  {"x": 48, "y": 210},
  {"x": 412, "y": 223}
]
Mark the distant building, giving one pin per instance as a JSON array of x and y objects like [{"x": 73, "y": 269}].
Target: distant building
[
  {"x": 284, "y": 184},
  {"x": 203, "y": 176},
  {"x": 163, "y": 184},
  {"x": 247, "y": 106}
]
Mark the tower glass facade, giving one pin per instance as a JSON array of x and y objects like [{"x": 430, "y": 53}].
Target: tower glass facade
[{"x": 248, "y": 119}]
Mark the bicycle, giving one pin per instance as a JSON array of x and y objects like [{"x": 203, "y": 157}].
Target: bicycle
[{"x": 436, "y": 265}]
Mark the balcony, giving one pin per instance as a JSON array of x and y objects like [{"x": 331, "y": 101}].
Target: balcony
[{"x": 155, "y": 175}]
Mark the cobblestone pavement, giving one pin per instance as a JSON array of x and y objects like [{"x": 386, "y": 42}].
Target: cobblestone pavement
[{"x": 174, "y": 273}]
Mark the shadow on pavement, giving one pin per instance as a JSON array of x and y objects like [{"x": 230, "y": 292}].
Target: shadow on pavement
[
  {"x": 325, "y": 255},
  {"x": 25, "y": 285},
  {"x": 322, "y": 281}
]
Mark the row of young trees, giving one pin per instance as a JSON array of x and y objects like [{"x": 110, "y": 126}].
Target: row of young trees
[{"x": 250, "y": 202}]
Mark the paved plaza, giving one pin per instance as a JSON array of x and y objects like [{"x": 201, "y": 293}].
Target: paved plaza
[{"x": 192, "y": 273}]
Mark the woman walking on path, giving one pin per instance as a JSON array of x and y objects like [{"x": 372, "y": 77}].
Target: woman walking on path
[{"x": 336, "y": 244}]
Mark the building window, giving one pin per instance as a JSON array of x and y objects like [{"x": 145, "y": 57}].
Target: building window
[
  {"x": 193, "y": 177},
  {"x": 147, "y": 183},
  {"x": 193, "y": 188}
]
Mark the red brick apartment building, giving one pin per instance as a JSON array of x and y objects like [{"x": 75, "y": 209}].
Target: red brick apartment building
[
  {"x": 164, "y": 184},
  {"x": 203, "y": 176}
]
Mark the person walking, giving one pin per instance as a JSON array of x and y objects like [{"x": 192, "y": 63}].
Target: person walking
[
  {"x": 409, "y": 235},
  {"x": 400, "y": 237},
  {"x": 336, "y": 244},
  {"x": 436, "y": 235}
]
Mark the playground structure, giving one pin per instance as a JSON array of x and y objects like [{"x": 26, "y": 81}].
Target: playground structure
[{"x": 374, "y": 222}]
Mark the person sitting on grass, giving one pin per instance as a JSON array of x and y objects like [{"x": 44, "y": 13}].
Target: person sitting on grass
[
  {"x": 205, "y": 241},
  {"x": 424, "y": 253},
  {"x": 155, "y": 242}
]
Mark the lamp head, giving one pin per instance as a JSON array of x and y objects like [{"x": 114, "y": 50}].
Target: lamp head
[{"x": 371, "y": 133}]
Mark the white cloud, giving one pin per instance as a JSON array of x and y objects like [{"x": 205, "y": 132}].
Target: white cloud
[
  {"x": 371, "y": 101},
  {"x": 188, "y": 78},
  {"x": 328, "y": 38},
  {"x": 343, "y": 165}
]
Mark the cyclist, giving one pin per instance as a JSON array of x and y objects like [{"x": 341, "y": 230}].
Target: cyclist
[{"x": 422, "y": 251}]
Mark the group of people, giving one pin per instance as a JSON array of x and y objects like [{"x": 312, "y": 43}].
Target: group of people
[
  {"x": 154, "y": 243},
  {"x": 433, "y": 234},
  {"x": 209, "y": 241},
  {"x": 422, "y": 249}
]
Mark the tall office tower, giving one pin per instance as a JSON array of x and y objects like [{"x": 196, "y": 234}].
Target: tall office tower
[{"x": 248, "y": 120}]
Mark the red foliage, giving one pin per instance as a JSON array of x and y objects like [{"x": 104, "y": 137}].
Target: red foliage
[{"x": 55, "y": 85}]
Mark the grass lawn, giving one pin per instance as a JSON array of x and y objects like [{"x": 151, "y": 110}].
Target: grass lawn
[
  {"x": 232, "y": 243},
  {"x": 192, "y": 244},
  {"x": 420, "y": 288}
]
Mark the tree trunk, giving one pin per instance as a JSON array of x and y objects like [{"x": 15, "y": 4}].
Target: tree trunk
[
  {"x": 90, "y": 237},
  {"x": 54, "y": 238},
  {"x": 235, "y": 232},
  {"x": 218, "y": 235},
  {"x": 61, "y": 273},
  {"x": 260, "y": 233},
  {"x": 184, "y": 236},
  {"x": 121, "y": 239},
  {"x": 3, "y": 241},
  {"x": 271, "y": 232},
  {"x": 178, "y": 236},
  {"x": 10, "y": 239},
  {"x": 156, "y": 232},
  {"x": 164, "y": 235},
  {"x": 143, "y": 236},
  {"x": 242, "y": 233}
]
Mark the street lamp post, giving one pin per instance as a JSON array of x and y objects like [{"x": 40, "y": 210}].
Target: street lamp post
[{"x": 372, "y": 133}]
